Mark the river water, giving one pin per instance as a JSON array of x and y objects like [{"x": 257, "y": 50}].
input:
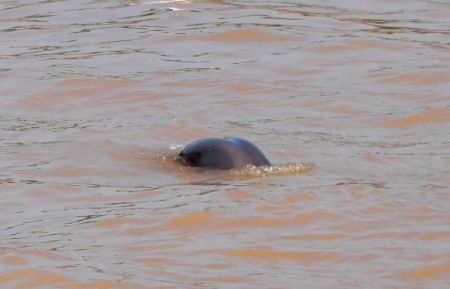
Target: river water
[{"x": 98, "y": 96}]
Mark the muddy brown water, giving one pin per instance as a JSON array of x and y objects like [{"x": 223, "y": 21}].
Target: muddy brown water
[{"x": 98, "y": 96}]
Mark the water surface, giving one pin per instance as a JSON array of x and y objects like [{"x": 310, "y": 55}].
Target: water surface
[{"x": 98, "y": 96}]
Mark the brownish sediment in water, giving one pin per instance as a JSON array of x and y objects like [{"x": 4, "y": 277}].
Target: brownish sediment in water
[
  {"x": 435, "y": 115},
  {"x": 240, "y": 35},
  {"x": 349, "y": 100}
]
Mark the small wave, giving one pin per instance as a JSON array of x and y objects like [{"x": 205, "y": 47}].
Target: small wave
[{"x": 165, "y": 2}]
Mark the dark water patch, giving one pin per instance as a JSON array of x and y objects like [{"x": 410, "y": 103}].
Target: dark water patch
[
  {"x": 20, "y": 181},
  {"x": 19, "y": 124}
]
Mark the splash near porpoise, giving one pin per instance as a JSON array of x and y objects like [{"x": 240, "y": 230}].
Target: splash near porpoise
[
  {"x": 251, "y": 171},
  {"x": 237, "y": 156}
]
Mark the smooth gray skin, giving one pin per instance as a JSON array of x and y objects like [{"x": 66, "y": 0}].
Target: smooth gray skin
[{"x": 222, "y": 153}]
